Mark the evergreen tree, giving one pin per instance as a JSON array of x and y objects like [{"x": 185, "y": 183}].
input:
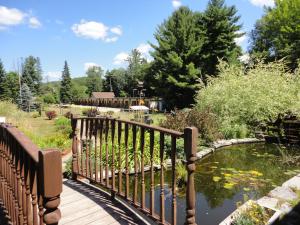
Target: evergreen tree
[
  {"x": 25, "y": 102},
  {"x": 94, "y": 81},
  {"x": 12, "y": 90},
  {"x": 221, "y": 25},
  {"x": 2, "y": 81},
  {"x": 66, "y": 85},
  {"x": 277, "y": 33},
  {"x": 175, "y": 69},
  {"x": 32, "y": 74}
]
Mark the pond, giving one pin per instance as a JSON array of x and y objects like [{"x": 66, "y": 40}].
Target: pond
[{"x": 226, "y": 177}]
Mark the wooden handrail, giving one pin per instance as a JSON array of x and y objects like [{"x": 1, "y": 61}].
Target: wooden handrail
[{"x": 30, "y": 179}]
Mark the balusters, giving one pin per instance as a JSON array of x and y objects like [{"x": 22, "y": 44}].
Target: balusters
[
  {"x": 113, "y": 123},
  {"x": 152, "y": 173},
  {"x": 120, "y": 160},
  {"x": 126, "y": 162},
  {"x": 142, "y": 143},
  {"x": 106, "y": 152},
  {"x": 100, "y": 151},
  {"x": 162, "y": 181},
  {"x": 96, "y": 147},
  {"x": 81, "y": 146},
  {"x": 91, "y": 127},
  {"x": 173, "y": 160},
  {"x": 135, "y": 165}
]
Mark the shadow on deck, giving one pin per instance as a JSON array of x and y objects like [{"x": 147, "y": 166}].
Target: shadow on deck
[
  {"x": 4, "y": 219},
  {"x": 82, "y": 204},
  {"x": 291, "y": 218}
]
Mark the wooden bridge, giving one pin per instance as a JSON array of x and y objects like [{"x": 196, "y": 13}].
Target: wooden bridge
[{"x": 108, "y": 153}]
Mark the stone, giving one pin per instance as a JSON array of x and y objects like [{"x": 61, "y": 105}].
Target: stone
[
  {"x": 268, "y": 202},
  {"x": 284, "y": 193},
  {"x": 293, "y": 183}
]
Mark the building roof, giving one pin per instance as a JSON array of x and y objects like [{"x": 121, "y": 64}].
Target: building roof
[{"x": 103, "y": 95}]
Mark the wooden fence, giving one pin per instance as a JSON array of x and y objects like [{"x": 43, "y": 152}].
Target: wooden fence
[
  {"x": 121, "y": 102},
  {"x": 115, "y": 154},
  {"x": 30, "y": 179}
]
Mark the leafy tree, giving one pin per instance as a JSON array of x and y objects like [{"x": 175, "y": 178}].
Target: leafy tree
[
  {"x": 276, "y": 34},
  {"x": 2, "y": 80},
  {"x": 135, "y": 70},
  {"x": 94, "y": 81},
  {"x": 66, "y": 85},
  {"x": 221, "y": 25},
  {"x": 25, "y": 102},
  {"x": 32, "y": 74},
  {"x": 115, "y": 80},
  {"x": 12, "y": 90},
  {"x": 175, "y": 70},
  {"x": 79, "y": 91}
]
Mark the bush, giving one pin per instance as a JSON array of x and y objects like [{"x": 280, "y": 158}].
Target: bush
[
  {"x": 51, "y": 114},
  {"x": 63, "y": 125},
  {"x": 205, "y": 121},
  {"x": 242, "y": 100},
  {"x": 91, "y": 112},
  {"x": 68, "y": 169},
  {"x": 68, "y": 115},
  {"x": 49, "y": 99}
]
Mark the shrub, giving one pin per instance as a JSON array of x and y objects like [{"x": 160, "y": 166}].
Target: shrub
[
  {"x": 49, "y": 99},
  {"x": 68, "y": 169},
  {"x": 242, "y": 100},
  {"x": 68, "y": 115},
  {"x": 91, "y": 112},
  {"x": 63, "y": 125},
  {"x": 51, "y": 114}
]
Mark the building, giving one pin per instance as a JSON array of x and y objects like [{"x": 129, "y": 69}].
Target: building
[{"x": 101, "y": 95}]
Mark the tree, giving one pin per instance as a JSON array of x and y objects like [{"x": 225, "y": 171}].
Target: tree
[
  {"x": 175, "y": 69},
  {"x": 66, "y": 85},
  {"x": 115, "y": 80},
  {"x": 12, "y": 90},
  {"x": 32, "y": 74},
  {"x": 221, "y": 25},
  {"x": 135, "y": 70},
  {"x": 25, "y": 103},
  {"x": 277, "y": 34},
  {"x": 2, "y": 80},
  {"x": 94, "y": 81}
]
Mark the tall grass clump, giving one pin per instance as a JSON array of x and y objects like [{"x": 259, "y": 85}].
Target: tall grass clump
[{"x": 243, "y": 99}]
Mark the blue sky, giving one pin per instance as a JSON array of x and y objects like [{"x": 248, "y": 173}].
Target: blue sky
[{"x": 93, "y": 32}]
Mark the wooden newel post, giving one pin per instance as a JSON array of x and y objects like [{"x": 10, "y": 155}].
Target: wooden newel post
[
  {"x": 50, "y": 184},
  {"x": 190, "y": 148},
  {"x": 74, "y": 147}
]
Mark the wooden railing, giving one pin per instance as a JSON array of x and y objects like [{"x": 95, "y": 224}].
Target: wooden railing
[
  {"x": 30, "y": 179},
  {"x": 117, "y": 154},
  {"x": 120, "y": 102}
]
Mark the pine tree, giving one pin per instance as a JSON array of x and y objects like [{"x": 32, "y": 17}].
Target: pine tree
[
  {"x": 221, "y": 25},
  {"x": 12, "y": 90},
  {"x": 94, "y": 82},
  {"x": 66, "y": 85},
  {"x": 32, "y": 74},
  {"x": 25, "y": 102},
  {"x": 2, "y": 81},
  {"x": 174, "y": 71}
]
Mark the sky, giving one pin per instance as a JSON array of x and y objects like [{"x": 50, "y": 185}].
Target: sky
[{"x": 93, "y": 32}]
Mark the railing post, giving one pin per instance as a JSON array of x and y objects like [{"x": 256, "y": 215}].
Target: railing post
[
  {"x": 50, "y": 184},
  {"x": 74, "y": 147},
  {"x": 190, "y": 148}
]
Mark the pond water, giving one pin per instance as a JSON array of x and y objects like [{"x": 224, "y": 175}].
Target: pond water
[{"x": 225, "y": 178}]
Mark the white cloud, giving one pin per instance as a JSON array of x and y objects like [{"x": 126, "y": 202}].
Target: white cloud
[
  {"x": 145, "y": 49},
  {"x": 262, "y": 3},
  {"x": 120, "y": 58},
  {"x": 244, "y": 58},
  {"x": 97, "y": 31},
  {"x": 34, "y": 22},
  {"x": 116, "y": 30},
  {"x": 112, "y": 39},
  {"x": 176, "y": 3},
  {"x": 53, "y": 76},
  {"x": 90, "y": 29},
  {"x": 11, "y": 16},
  {"x": 240, "y": 40},
  {"x": 90, "y": 65}
]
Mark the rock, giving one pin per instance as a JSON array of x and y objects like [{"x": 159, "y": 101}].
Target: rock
[
  {"x": 268, "y": 202},
  {"x": 293, "y": 183},
  {"x": 283, "y": 193}
]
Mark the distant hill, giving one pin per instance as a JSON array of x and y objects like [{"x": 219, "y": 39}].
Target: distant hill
[{"x": 81, "y": 81}]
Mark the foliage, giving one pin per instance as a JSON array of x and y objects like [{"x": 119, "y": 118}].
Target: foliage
[
  {"x": 276, "y": 34},
  {"x": 49, "y": 99},
  {"x": 78, "y": 91},
  {"x": 94, "y": 81},
  {"x": 63, "y": 125},
  {"x": 175, "y": 67},
  {"x": 66, "y": 85},
  {"x": 254, "y": 214},
  {"x": 181, "y": 174},
  {"x": 68, "y": 169},
  {"x": 93, "y": 112},
  {"x": 115, "y": 80},
  {"x": 242, "y": 100},
  {"x": 2, "y": 80},
  {"x": 51, "y": 114},
  {"x": 32, "y": 74},
  {"x": 205, "y": 121},
  {"x": 220, "y": 22},
  {"x": 11, "y": 87},
  {"x": 26, "y": 98}
]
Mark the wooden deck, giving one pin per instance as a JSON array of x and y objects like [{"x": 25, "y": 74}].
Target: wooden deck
[{"x": 82, "y": 204}]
